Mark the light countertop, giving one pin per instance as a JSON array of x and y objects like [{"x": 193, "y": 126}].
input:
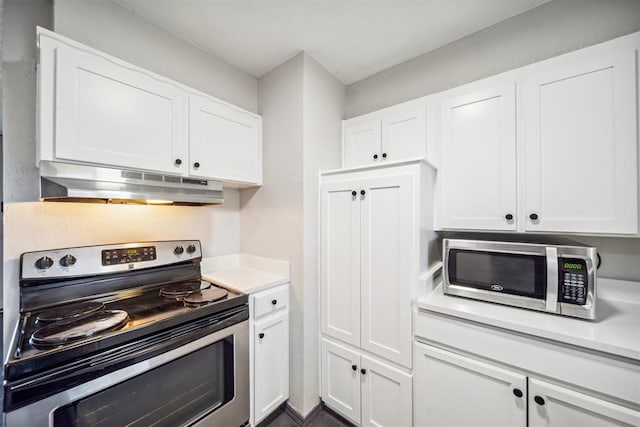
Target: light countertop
[
  {"x": 615, "y": 331},
  {"x": 245, "y": 273}
]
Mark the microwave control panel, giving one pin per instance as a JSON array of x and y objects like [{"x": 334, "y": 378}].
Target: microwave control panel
[{"x": 573, "y": 281}]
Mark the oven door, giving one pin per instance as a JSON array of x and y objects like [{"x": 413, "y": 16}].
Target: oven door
[
  {"x": 507, "y": 273},
  {"x": 204, "y": 382}
]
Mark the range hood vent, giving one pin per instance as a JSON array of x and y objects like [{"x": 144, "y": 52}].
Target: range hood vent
[{"x": 69, "y": 182}]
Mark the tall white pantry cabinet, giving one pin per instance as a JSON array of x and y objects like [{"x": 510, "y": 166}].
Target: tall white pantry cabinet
[{"x": 376, "y": 223}]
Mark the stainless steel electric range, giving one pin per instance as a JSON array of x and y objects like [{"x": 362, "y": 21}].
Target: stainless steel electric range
[{"x": 126, "y": 334}]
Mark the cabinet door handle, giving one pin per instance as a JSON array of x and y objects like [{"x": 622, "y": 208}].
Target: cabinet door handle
[
  {"x": 178, "y": 162},
  {"x": 196, "y": 165},
  {"x": 375, "y": 157},
  {"x": 533, "y": 216},
  {"x": 354, "y": 367},
  {"x": 354, "y": 193},
  {"x": 363, "y": 192},
  {"x": 384, "y": 155},
  {"x": 261, "y": 335},
  {"x": 363, "y": 371},
  {"x": 539, "y": 400},
  {"x": 508, "y": 217},
  {"x": 517, "y": 392},
  {"x": 274, "y": 301}
]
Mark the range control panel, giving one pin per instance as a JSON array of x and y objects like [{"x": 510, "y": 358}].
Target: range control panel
[
  {"x": 128, "y": 255},
  {"x": 573, "y": 281}
]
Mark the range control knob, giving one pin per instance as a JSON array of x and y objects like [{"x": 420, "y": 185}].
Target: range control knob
[
  {"x": 178, "y": 250},
  {"x": 44, "y": 263},
  {"x": 67, "y": 260},
  {"x": 191, "y": 249}
]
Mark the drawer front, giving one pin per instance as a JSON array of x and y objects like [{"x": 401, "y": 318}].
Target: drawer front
[{"x": 271, "y": 300}]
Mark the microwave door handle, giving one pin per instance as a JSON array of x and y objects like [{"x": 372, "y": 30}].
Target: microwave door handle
[{"x": 552, "y": 279}]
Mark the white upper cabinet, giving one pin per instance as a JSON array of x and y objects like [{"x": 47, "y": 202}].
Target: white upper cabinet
[
  {"x": 581, "y": 144},
  {"x": 479, "y": 156},
  {"x": 98, "y": 110},
  {"x": 224, "y": 141},
  {"x": 105, "y": 113},
  {"x": 393, "y": 134},
  {"x": 556, "y": 153},
  {"x": 361, "y": 141}
]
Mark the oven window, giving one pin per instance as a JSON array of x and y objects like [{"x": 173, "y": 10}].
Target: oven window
[
  {"x": 175, "y": 393},
  {"x": 517, "y": 274}
]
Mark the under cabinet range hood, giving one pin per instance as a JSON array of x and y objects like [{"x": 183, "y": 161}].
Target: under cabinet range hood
[{"x": 80, "y": 183}]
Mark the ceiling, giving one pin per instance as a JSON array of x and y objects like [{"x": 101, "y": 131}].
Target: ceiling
[{"x": 352, "y": 39}]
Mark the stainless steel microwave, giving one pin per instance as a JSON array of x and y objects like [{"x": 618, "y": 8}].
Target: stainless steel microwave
[{"x": 558, "y": 279}]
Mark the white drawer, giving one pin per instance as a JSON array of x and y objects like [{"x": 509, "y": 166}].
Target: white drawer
[{"x": 271, "y": 300}]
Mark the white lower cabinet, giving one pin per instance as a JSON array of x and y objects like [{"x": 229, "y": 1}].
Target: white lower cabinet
[
  {"x": 270, "y": 352},
  {"x": 363, "y": 389},
  {"x": 494, "y": 396},
  {"x": 551, "y": 405}
]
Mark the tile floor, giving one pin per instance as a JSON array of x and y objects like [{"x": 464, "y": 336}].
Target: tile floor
[{"x": 323, "y": 419}]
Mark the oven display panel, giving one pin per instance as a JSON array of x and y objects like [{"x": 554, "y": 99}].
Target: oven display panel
[{"x": 128, "y": 255}]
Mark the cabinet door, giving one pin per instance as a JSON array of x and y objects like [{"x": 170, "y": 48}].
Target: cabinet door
[
  {"x": 224, "y": 142},
  {"x": 361, "y": 142},
  {"x": 453, "y": 390},
  {"x": 551, "y": 405},
  {"x": 479, "y": 158},
  {"x": 112, "y": 115},
  {"x": 340, "y": 261},
  {"x": 581, "y": 144},
  {"x": 386, "y": 267},
  {"x": 386, "y": 395},
  {"x": 271, "y": 359},
  {"x": 404, "y": 132},
  {"x": 341, "y": 379}
]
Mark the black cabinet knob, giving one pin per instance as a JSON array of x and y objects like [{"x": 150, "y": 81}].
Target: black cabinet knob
[
  {"x": 363, "y": 192},
  {"x": 178, "y": 162},
  {"x": 354, "y": 367},
  {"x": 517, "y": 392},
  {"x": 384, "y": 155},
  {"x": 508, "y": 217},
  {"x": 261, "y": 335},
  {"x": 354, "y": 193},
  {"x": 274, "y": 301},
  {"x": 533, "y": 216},
  {"x": 363, "y": 371},
  {"x": 375, "y": 157},
  {"x": 196, "y": 165},
  {"x": 539, "y": 400}
]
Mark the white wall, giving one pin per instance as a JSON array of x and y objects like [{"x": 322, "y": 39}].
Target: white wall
[
  {"x": 111, "y": 28},
  {"x": 554, "y": 28},
  {"x": 20, "y": 17},
  {"x": 271, "y": 215},
  {"x": 323, "y": 110},
  {"x": 301, "y": 105}
]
